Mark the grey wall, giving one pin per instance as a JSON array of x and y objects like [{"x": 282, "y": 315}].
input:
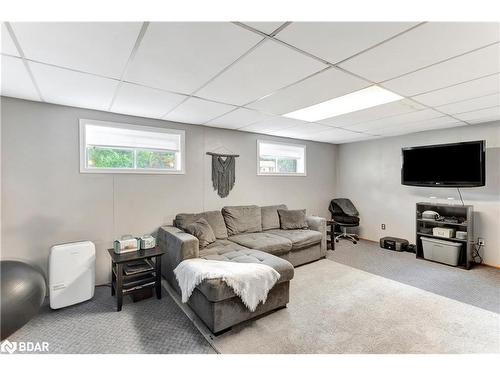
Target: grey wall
[
  {"x": 369, "y": 174},
  {"x": 45, "y": 200}
]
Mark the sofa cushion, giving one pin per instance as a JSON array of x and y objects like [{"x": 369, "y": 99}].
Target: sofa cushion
[
  {"x": 216, "y": 289},
  {"x": 292, "y": 219},
  {"x": 270, "y": 217},
  {"x": 214, "y": 219},
  {"x": 300, "y": 238},
  {"x": 268, "y": 242},
  {"x": 202, "y": 231},
  {"x": 242, "y": 219}
]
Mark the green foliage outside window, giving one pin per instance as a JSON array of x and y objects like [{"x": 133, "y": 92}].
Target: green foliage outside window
[
  {"x": 287, "y": 165},
  {"x": 110, "y": 158},
  {"x": 120, "y": 158}
]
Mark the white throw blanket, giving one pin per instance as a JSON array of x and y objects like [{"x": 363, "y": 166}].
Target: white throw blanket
[{"x": 250, "y": 281}]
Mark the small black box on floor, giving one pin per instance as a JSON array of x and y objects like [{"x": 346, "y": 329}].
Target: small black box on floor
[{"x": 394, "y": 243}]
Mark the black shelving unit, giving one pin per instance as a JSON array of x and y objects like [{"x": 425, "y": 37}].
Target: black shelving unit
[{"x": 465, "y": 216}]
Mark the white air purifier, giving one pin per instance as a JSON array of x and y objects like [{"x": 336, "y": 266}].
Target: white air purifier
[{"x": 71, "y": 273}]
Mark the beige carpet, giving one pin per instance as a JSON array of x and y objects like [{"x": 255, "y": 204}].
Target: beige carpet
[{"x": 338, "y": 309}]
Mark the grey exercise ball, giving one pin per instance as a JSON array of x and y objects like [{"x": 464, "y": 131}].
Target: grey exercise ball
[{"x": 22, "y": 294}]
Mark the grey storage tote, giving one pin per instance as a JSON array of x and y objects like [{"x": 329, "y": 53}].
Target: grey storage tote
[{"x": 441, "y": 251}]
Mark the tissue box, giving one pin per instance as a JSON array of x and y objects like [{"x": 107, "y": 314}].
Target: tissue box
[
  {"x": 125, "y": 245},
  {"x": 147, "y": 242},
  {"x": 443, "y": 232}
]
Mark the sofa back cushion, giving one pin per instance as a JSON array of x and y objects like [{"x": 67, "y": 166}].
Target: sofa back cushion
[
  {"x": 242, "y": 219},
  {"x": 293, "y": 219},
  {"x": 270, "y": 217},
  {"x": 202, "y": 231},
  {"x": 214, "y": 219}
]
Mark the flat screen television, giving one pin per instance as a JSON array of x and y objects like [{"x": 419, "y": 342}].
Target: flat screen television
[{"x": 446, "y": 165}]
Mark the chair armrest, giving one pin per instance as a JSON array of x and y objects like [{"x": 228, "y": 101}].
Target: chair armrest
[
  {"x": 318, "y": 224},
  {"x": 177, "y": 244}
]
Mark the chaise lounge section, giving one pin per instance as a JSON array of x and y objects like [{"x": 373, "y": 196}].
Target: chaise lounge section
[{"x": 246, "y": 234}]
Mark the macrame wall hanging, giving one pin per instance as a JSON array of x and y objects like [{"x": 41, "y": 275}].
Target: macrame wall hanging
[{"x": 223, "y": 172}]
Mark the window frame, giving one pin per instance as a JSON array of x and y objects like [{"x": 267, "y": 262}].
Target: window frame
[
  {"x": 83, "y": 148},
  {"x": 297, "y": 174}
]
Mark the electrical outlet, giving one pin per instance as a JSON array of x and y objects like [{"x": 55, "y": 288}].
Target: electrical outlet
[
  {"x": 383, "y": 226},
  {"x": 480, "y": 241}
]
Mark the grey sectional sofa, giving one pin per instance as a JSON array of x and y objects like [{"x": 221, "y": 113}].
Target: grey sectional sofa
[{"x": 243, "y": 234}]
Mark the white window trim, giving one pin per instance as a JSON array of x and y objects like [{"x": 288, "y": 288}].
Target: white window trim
[
  {"x": 83, "y": 151},
  {"x": 259, "y": 173}
]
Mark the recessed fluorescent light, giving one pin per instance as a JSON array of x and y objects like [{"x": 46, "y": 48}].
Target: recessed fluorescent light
[{"x": 355, "y": 101}]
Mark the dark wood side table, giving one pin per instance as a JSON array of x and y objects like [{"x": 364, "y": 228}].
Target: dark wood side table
[
  {"x": 122, "y": 284},
  {"x": 331, "y": 233}
]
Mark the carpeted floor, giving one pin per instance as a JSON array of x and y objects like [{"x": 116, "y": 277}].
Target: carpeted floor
[
  {"x": 479, "y": 286},
  {"x": 335, "y": 308},
  {"x": 149, "y": 326}
]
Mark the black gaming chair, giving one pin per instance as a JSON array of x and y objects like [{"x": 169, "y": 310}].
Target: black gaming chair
[{"x": 345, "y": 215}]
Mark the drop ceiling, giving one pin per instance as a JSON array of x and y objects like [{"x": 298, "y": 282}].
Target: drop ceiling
[{"x": 246, "y": 76}]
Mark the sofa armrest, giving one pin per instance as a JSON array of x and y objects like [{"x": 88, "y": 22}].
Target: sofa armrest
[
  {"x": 319, "y": 224},
  {"x": 178, "y": 246}
]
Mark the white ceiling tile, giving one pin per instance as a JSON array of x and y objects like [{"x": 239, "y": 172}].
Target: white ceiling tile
[
  {"x": 8, "y": 46},
  {"x": 424, "y": 45},
  {"x": 483, "y": 115},
  {"x": 335, "y": 135},
  {"x": 95, "y": 47},
  {"x": 66, "y": 87},
  {"x": 265, "y": 27},
  {"x": 336, "y": 41},
  {"x": 472, "y": 89},
  {"x": 182, "y": 56},
  {"x": 238, "y": 118},
  {"x": 266, "y": 69},
  {"x": 143, "y": 101},
  {"x": 316, "y": 89},
  {"x": 374, "y": 113},
  {"x": 272, "y": 124},
  {"x": 16, "y": 81},
  {"x": 403, "y": 120},
  {"x": 302, "y": 131},
  {"x": 436, "y": 123},
  {"x": 197, "y": 111},
  {"x": 460, "y": 69},
  {"x": 471, "y": 104}
]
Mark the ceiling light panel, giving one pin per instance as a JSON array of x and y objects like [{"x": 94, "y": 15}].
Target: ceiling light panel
[
  {"x": 8, "y": 46},
  {"x": 472, "y": 89},
  {"x": 16, "y": 81},
  {"x": 401, "y": 120},
  {"x": 471, "y": 104},
  {"x": 265, "y": 27},
  {"x": 143, "y": 101},
  {"x": 197, "y": 111},
  {"x": 336, "y": 41},
  {"x": 374, "y": 113},
  {"x": 483, "y": 115},
  {"x": 238, "y": 118},
  {"x": 457, "y": 70},
  {"x": 67, "y": 87},
  {"x": 94, "y": 47},
  {"x": 424, "y": 45},
  {"x": 182, "y": 56},
  {"x": 322, "y": 86},
  {"x": 365, "y": 98},
  {"x": 266, "y": 69}
]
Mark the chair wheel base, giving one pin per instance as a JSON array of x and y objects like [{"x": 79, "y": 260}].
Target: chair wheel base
[
  {"x": 354, "y": 242},
  {"x": 337, "y": 241}
]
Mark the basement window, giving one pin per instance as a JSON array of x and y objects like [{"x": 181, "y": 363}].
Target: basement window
[
  {"x": 280, "y": 159},
  {"x": 107, "y": 147}
]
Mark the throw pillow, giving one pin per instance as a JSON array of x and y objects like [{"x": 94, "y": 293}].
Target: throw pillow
[
  {"x": 293, "y": 219},
  {"x": 201, "y": 230}
]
